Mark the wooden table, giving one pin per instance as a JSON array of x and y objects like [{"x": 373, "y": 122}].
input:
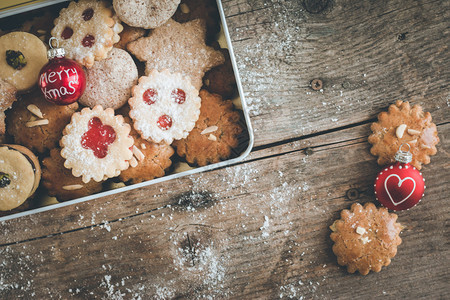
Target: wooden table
[{"x": 259, "y": 229}]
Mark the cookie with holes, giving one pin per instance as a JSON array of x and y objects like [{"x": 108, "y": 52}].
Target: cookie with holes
[
  {"x": 87, "y": 30},
  {"x": 403, "y": 124},
  {"x": 164, "y": 106},
  {"x": 59, "y": 181},
  {"x": 215, "y": 134},
  {"x": 365, "y": 238},
  {"x": 96, "y": 144}
]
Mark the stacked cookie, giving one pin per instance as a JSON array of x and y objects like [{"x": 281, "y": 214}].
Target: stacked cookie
[{"x": 147, "y": 82}]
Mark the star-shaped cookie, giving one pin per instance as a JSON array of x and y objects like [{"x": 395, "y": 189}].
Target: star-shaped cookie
[{"x": 180, "y": 48}]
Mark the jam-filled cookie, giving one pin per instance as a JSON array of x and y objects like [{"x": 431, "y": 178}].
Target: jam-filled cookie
[
  {"x": 109, "y": 82},
  {"x": 150, "y": 160},
  {"x": 59, "y": 181},
  {"x": 96, "y": 144},
  {"x": 365, "y": 238},
  {"x": 164, "y": 106},
  {"x": 404, "y": 124},
  {"x": 178, "y": 47},
  {"x": 37, "y": 123},
  {"x": 20, "y": 174},
  {"x": 145, "y": 13},
  {"x": 87, "y": 30},
  {"x": 215, "y": 134},
  {"x": 22, "y": 55}
]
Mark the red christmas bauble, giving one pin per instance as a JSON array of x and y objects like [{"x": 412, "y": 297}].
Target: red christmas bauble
[
  {"x": 399, "y": 186},
  {"x": 62, "y": 80}
]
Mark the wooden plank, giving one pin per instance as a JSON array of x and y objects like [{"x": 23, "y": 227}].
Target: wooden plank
[
  {"x": 259, "y": 230},
  {"x": 367, "y": 53}
]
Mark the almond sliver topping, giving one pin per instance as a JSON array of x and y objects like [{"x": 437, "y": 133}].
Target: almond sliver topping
[
  {"x": 133, "y": 162},
  {"x": 212, "y": 137},
  {"x": 413, "y": 132},
  {"x": 35, "y": 110},
  {"x": 209, "y": 129},
  {"x": 72, "y": 187},
  {"x": 37, "y": 123},
  {"x": 400, "y": 130},
  {"x": 138, "y": 153}
]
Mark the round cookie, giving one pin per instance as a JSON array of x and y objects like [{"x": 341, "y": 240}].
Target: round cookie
[
  {"x": 150, "y": 160},
  {"x": 96, "y": 144},
  {"x": 215, "y": 133},
  {"x": 20, "y": 174},
  {"x": 22, "y": 55},
  {"x": 109, "y": 82},
  {"x": 37, "y": 123},
  {"x": 60, "y": 182},
  {"x": 87, "y": 30},
  {"x": 403, "y": 124},
  {"x": 145, "y": 13},
  {"x": 164, "y": 106},
  {"x": 365, "y": 238}
]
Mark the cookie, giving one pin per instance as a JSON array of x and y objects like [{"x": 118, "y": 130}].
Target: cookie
[
  {"x": 221, "y": 80},
  {"x": 37, "y": 123},
  {"x": 20, "y": 174},
  {"x": 87, "y": 30},
  {"x": 22, "y": 56},
  {"x": 145, "y": 13},
  {"x": 96, "y": 144},
  {"x": 178, "y": 47},
  {"x": 403, "y": 124},
  {"x": 215, "y": 133},
  {"x": 7, "y": 95},
  {"x": 2, "y": 126},
  {"x": 129, "y": 34},
  {"x": 164, "y": 106},
  {"x": 40, "y": 25},
  {"x": 109, "y": 82},
  {"x": 189, "y": 10},
  {"x": 150, "y": 160},
  {"x": 60, "y": 182},
  {"x": 365, "y": 238}
]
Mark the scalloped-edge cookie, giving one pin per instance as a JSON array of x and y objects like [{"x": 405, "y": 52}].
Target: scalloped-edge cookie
[
  {"x": 404, "y": 124},
  {"x": 147, "y": 14},
  {"x": 215, "y": 133},
  {"x": 365, "y": 238},
  {"x": 59, "y": 181},
  {"x": 96, "y": 144},
  {"x": 164, "y": 106},
  {"x": 87, "y": 30}
]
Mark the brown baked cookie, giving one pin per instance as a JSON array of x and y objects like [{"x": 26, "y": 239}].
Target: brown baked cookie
[
  {"x": 145, "y": 13},
  {"x": 150, "y": 160},
  {"x": 60, "y": 182},
  {"x": 7, "y": 95},
  {"x": 215, "y": 133},
  {"x": 365, "y": 238},
  {"x": 189, "y": 10},
  {"x": 37, "y": 123},
  {"x": 40, "y": 26},
  {"x": 220, "y": 80},
  {"x": 2, "y": 127},
  {"x": 178, "y": 47},
  {"x": 109, "y": 81},
  {"x": 403, "y": 124},
  {"x": 129, "y": 34}
]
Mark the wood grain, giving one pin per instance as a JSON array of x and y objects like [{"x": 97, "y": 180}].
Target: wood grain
[{"x": 355, "y": 48}]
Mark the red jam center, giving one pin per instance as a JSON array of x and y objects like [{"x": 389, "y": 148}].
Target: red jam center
[
  {"x": 178, "y": 95},
  {"x": 67, "y": 33},
  {"x": 164, "y": 122},
  {"x": 98, "y": 137},
  {"x": 150, "y": 96},
  {"x": 87, "y": 14},
  {"x": 88, "y": 41}
]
